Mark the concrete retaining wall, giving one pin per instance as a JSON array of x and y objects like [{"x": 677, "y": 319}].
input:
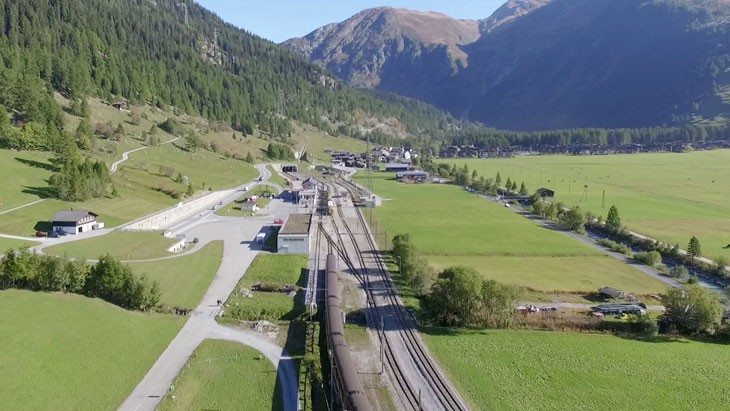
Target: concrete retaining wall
[{"x": 174, "y": 214}]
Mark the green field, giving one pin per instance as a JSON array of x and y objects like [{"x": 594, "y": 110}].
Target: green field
[
  {"x": 224, "y": 375},
  {"x": 668, "y": 196},
  {"x": 275, "y": 268},
  {"x": 507, "y": 370},
  {"x": 184, "y": 280},
  {"x": 125, "y": 245},
  {"x": 29, "y": 170},
  {"x": 7, "y": 243},
  {"x": 558, "y": 274},
  {"x": 454, "y": 227},
  {"x": 68, "y": 352},
  {"x": 203, "y": 168}
]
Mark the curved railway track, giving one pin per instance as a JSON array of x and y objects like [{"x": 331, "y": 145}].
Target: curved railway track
[{"x": 440, "y": 389}]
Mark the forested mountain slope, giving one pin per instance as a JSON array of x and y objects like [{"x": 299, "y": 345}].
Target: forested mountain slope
[
  {"x": 172, "y": 52},
  {"x": 549, "y": 64}
]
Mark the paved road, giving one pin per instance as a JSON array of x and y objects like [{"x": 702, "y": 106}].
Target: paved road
[{"x": 239, "y": 251}]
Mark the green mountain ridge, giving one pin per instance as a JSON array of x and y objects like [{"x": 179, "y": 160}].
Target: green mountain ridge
[{"x": 165, "y": 54}]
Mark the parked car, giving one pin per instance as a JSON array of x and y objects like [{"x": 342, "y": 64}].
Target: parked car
[
  {"x": 53, "y": 234},
  {"x": 41, "y": 234},
  {"x": 278, "y": 221}
]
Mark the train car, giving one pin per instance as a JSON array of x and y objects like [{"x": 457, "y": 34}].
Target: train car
[{"x": 347, "y": 381}]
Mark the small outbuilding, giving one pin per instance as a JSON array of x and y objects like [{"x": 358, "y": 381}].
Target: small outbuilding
[
  {"x": 75, "y": 221},
  {"x": 293, "y": 238}
]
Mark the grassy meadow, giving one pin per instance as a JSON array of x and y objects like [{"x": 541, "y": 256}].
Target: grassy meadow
[
  {"x": 125, "y": 245},
  {"x": 29, "y": 171},
  {"x": 508, "y": 369},
  {"x": 224, "y": 375},
  {"x": 668, "y": 196},
  {"x": 184, "y": 280},
  {"x": 454, "y": 227},
  {"x": 8, "y": 243},
  {"x": 68, "y": 352}
]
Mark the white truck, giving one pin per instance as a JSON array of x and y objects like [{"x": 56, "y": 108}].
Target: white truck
[{"x": 260, "y": 237}]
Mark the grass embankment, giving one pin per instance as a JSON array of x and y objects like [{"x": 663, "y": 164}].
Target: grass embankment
[
  {"x": 124, "y": 245},
  {"x": 66, "y": 351},
  {"x": 224, "y": 375},
  {"x": 184, "y": 280},
  {"x": 272, "y": 271},
  {"x": 667, "y": 196},
  {"x": 454, "y": 227},
  {"x": 505, "y": 369}
]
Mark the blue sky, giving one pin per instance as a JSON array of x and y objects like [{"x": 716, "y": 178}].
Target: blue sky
[{"x": 279, "y": 20}]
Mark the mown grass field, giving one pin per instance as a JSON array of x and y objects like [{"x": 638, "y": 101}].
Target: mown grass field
[
  {"x": 669, "y": 196},
  {"x": 29, "y": 171},
  {"x": 67, "y": 352},
  {"x": 558, "y": 274},
  {"x": 204, "y": 169},
  {"x": 125, "y": 245},
  {"x": 454, "y": 227},
  {"x": 8, "y": 243},
  {"x": 184, "y": 280},
  {"x": 531, "y": 370},
  {"x": 224, "y": 375}
]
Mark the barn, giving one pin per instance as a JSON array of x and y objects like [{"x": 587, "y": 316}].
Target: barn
[
  {"x": 293, "y": 238},
  {"x": 75, "y": 221}
]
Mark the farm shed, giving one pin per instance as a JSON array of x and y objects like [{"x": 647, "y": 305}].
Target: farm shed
[
  {"x": 75, "y": 221},
  {"x": 396, "y": 167},
  {"x": 293, "y": 238},
  {"x": 418, "y": 176}
]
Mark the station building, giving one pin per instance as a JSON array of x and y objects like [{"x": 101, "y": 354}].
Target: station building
[{"x": 293, "y": 238}]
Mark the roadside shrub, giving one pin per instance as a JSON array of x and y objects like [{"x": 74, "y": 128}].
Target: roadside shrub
[
  {"x": 650, "y": 258},
  {"x": 614, "y": 246},
  {"x": 679, "y": 272},
  {"x": 643, "y": 325}
]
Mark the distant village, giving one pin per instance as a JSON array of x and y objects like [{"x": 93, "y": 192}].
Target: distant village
[{"x": 401, "y": 155}]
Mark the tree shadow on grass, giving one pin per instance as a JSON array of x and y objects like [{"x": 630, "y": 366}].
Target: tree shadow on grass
[
  {"x": 38, "y": 164},
  {"x": 41, "y": 192}
]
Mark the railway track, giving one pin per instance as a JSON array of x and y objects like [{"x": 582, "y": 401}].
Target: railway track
[{"x": 440, "y": 391}]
